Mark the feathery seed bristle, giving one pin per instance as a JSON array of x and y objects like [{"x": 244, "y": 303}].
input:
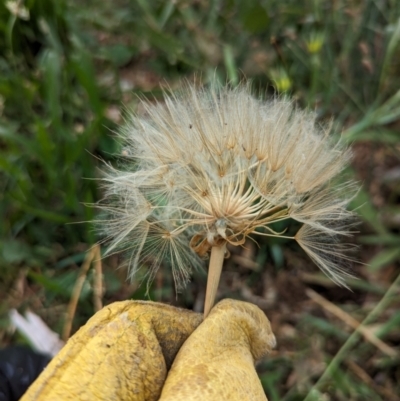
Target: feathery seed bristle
[{"x": 212, "y": 165}]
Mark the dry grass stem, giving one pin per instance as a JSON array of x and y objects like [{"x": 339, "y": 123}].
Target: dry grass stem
[
  {"x": 369, "y": 381},
  {"x": 334, "y": 364},
  {"x": 98, "y": 280},
  {"x": 94, "y": 256},
  {"x": 76, "y": 293},
  {"x": 353, "y": 323}
]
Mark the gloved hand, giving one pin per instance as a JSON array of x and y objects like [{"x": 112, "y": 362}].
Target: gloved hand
[{"x": 124, "y": 353}]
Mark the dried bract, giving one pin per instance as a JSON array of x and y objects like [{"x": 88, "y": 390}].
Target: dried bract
[{"x": 214, "y": 166}]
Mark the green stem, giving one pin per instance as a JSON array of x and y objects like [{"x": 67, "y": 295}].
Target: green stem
[{"x": 344, "y": 351}]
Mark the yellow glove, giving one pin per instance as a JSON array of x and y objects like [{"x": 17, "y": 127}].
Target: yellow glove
[
  {"x": 124, "y": 353},
  {"x": 217, "y": 361}
]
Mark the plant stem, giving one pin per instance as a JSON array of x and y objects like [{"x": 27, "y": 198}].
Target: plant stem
[
  {"x": 214, "y": 274},
  {"x": 314, "y": 394}
]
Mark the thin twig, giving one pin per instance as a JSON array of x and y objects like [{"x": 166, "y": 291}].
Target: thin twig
[
  {"x": 76, "y": 293},
  {"x": 98, "y": 280},
  {"x": 353, "y": 323},
  {"x": 344, "y": 351},
  {"x": 367, "y": 379}
]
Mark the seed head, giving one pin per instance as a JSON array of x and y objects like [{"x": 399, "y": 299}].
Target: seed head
[{"x": 214, "y": 166}]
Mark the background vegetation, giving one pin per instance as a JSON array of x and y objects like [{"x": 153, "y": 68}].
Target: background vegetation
[{"x": 69, "y": 69}]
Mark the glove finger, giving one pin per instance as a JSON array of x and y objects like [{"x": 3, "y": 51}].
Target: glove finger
[
  {"x": 217, "y": 361},
  {"x": 122, "y": 353}
]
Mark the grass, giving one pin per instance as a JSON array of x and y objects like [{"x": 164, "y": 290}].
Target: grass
[{"x": 67, "y": 71}]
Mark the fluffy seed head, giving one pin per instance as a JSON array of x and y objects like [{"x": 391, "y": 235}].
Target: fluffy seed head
[{"x": 213, "y": 165}]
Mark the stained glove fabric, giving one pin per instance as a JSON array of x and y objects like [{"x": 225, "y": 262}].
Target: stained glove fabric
[
  {"x": 217, "y": 361},
  {"x": 124, "y": 353}
]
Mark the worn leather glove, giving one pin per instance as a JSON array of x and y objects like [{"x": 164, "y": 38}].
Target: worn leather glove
[{"x": 125, "y": 351}]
